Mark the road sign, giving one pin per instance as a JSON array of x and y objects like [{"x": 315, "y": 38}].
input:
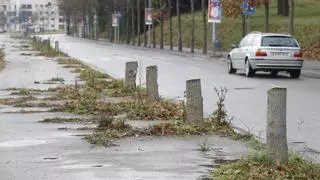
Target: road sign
[
  {"x": 148, "y": 16},
  {"x": 248, "y": 7},
  {"x": 214, "y": 9},
  {"x": 115, "y": 20}
]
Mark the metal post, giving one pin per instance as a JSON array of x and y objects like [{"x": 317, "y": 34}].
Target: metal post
[
  {"x": 115, "y": 34},
  {"x": 213, "y": 37},
  {"x": 243, "y": 25},
  {"x": 249, "y": 24},
  {"x": 149, "y": 27},
  {"x": 119, "y": 33}
]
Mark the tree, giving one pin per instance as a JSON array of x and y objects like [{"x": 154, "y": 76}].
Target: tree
[
  {"x": 193, "y": 26},
  {"x": 138, "y": 23},
  {"x": 283, "y": 7},
  {"x": 170, "y": 24},
  {"x": 161, "y": 25},
  {"x": 266, "y": 23},
  {"x": 179, "y": 27},
  {"x": 291, "y": 17},
  {"x": 133, "y": 31},
  {"x": 204, "y": 19}
]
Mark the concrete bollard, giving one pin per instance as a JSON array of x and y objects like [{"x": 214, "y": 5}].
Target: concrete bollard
[
  {"x": 194, "y": 103},
  {"x": 56, "y": 46},
  {"x": 276, "y": 124},
  {"x": 152, "y": 83},
  {"x": 131, "y": 75}
]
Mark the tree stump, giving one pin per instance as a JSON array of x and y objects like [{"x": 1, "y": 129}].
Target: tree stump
[
  {"x": 194, "y": 103},
  {"x": 277, "y": 125},
  {"x": 131, "y": 75},
  {"x": 152, "y": 83}
]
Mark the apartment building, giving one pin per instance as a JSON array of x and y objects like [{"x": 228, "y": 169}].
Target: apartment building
[{"x": 41, "y": 15}]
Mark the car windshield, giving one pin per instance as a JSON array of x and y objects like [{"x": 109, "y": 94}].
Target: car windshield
[{"x": 279, "y": 41}]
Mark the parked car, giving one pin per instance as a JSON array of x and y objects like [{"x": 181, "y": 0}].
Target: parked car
[{"x": 269, "y": 52}]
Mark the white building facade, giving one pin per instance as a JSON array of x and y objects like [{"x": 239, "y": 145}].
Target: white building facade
[{"x": 40, "y": 15}]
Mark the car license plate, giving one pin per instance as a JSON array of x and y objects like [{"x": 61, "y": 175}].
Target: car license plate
[{"x": 279, "y": 53}]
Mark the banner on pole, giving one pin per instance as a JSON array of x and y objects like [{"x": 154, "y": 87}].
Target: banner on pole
[
  {"x": 214, "y": 11},
  {"x": 115, "y": 20},
  {"x": 148, "y": 16},
  {"x": 248, "y": 7}
]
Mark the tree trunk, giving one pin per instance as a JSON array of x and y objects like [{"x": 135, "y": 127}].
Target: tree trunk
[
  {"x": 131, "y": 75},
  {"x": 170, "y": 25},
  {"x": 194, "y": 103},
  {"x": 152, "y": 83},
  {"x": 283, "y": 7},
  {"x": 179, "y": 27},
  {"x": 154, "y": 35},
  {"x": 291, "y": 17},
  {"x": 68, "y": 25},
  {"x": 144, "y": 24},
  {"x": 133, "y": 22},
  {"x": 84, "y": 26},
  {"x": 276, "y": 124},
  {"x": 138, "y": 22},
  {"x": 193, "y": 26},
  {"x": 161, "y": 26},
  {"x": 128, "y": 22},
  {"x": 266, "y": 23},
  {"x": 205, "y": 30}
]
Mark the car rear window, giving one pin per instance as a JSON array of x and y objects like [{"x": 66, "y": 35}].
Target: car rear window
[{"x": 279, "y": 41}]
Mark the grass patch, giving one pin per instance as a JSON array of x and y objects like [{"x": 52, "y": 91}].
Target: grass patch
[
  {"x": 56, "y": 79},
  {"x": 26, "y": 54},
  {"x": 250, "y": 140},
  {"x": 62, "y": 120},
  {"x": 261, "y": 166},
  {"x": 110, "y": 129},
  {"x": 45, "y": 49},
  {"x": 70, "y": 61},
  {"x": 24, "y": 105},
  {"x": 12, "y": 101},
  {"x": 2, "y": 62},
  {"x": 22, "y": 92}
]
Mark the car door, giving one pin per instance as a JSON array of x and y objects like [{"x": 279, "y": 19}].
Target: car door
[
  {"x": 237, "y": 52},
  {"x": 244, "y": 50}
]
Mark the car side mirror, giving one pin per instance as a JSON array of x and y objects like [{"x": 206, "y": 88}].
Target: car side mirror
[{"x": 235, "y": 46}]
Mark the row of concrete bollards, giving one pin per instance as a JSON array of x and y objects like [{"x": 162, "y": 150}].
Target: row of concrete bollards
[
  {"x": 276, "y": 112},
  {"x": 48, "y": 41},
  {"x": 276, "y": 119},
  {"x": 194, "y": 100}
]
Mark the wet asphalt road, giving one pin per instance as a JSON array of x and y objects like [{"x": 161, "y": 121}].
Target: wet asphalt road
[
  {"x": 247, "y": 97},
  {"x": 33, "y": 151}
]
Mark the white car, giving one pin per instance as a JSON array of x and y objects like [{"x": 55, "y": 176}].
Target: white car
[{"x": 269, "y": 52}]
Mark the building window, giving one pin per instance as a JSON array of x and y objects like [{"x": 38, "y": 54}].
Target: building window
[
  {"x": 23, "y": 6},
  {"x": 52, "y": 12},
  {"x": 47, "y": 12},
  {"x": 41, "y": 5},
  {"x": 29, "y": 6},
  {"x": 61, "y": 20},
  {"x": 52, "y": 19},
  {"x": 61, "y": 26},
  {"x": 41, "y": 13},
  {"x": 52, "y": 26}
]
